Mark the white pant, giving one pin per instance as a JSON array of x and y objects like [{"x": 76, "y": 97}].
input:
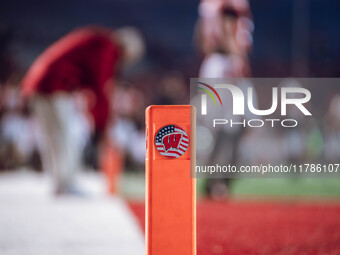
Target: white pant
[{"x": 60, "y": 144}]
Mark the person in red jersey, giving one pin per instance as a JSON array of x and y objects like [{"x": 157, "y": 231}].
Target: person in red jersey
[
  {"x": 85, "y": 60},
  {"x": 224, "y": 36}
]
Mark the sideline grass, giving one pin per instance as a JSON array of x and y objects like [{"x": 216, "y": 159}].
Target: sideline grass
[
  {"x": 287, "y": 187},
  {"x": 132, "y": 187}
]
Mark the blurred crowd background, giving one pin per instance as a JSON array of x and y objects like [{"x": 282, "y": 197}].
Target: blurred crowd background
[{"x": 291, "y": 39}]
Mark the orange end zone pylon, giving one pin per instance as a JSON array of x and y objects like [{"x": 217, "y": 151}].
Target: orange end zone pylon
[
  {"x": 111, "y": 163},
  {"x": 170, "y": 191}
]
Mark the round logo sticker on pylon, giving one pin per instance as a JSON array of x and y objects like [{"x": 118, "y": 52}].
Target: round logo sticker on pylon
[{"x": 172, "y": 141}]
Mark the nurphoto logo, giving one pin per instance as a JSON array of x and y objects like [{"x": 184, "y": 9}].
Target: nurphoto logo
[{"x": 241, "y": 100}]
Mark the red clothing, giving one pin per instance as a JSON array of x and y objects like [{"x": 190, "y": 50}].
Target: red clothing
[{"x": 83, "y": 59}]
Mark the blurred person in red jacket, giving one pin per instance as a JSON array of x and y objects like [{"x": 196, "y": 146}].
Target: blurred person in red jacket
[{"x": 85, "y": 60}]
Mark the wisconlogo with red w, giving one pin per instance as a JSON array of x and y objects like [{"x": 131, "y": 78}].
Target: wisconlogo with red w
[{"x": 172, "y": 141}]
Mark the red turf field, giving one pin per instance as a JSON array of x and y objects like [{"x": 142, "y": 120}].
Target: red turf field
[{"x": 264, "y": 228}]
